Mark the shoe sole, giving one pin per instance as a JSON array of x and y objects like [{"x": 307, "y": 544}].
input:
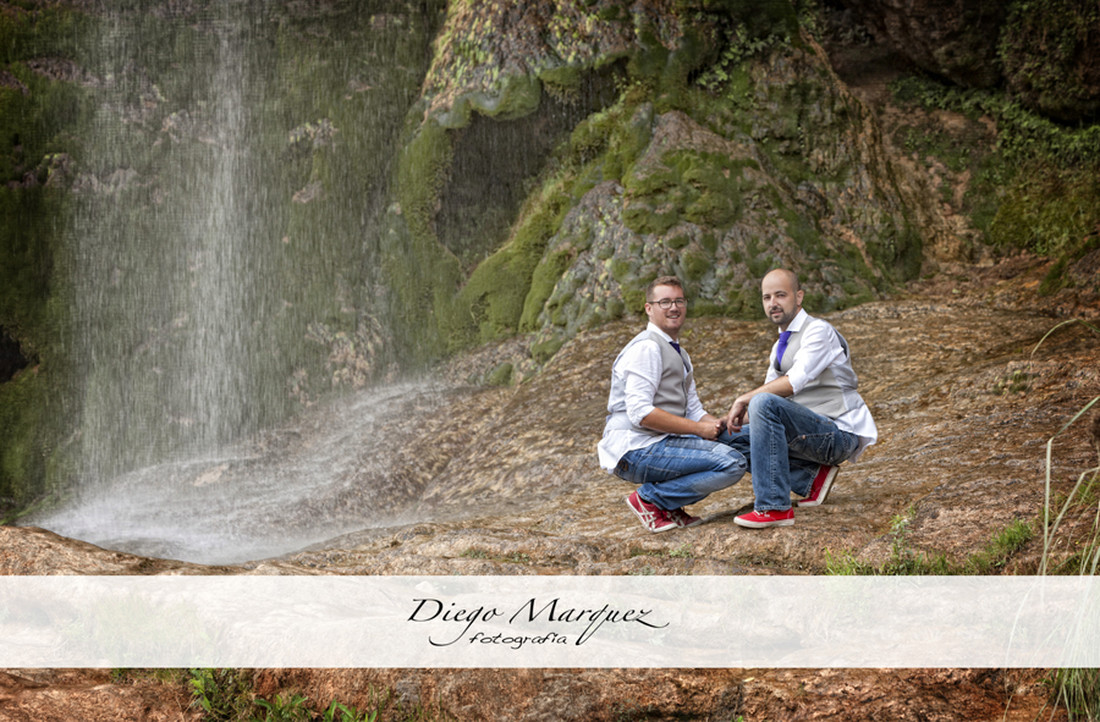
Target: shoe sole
[
  {"x": 644, "y": 523},
  {"x": 829, "y": 479},
  {"x": 762, "y": 524}
]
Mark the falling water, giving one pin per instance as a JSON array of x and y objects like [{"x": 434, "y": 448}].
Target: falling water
[
  {"x": 277, "y": 492},
  {"x": 214, "y": 300},
  {"x": 199, "y": 288}
]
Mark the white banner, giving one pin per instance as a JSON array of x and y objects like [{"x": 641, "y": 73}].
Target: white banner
[{"x": 543, "y": 622}]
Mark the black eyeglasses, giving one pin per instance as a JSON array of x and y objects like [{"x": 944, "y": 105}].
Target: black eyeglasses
[{"x": 667, "y": 303}]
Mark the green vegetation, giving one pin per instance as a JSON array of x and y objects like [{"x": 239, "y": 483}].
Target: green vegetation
[
  {"x": 1078, "y": 690},
  {"x": 38, "y": 149},
  {"x": 904, "y": 560},
  {"x": 1041, "y": 47},
  {"x": 1034, "y": 187},
  {"x": 1073, "y": 549},
  {"x": 1082, "y": 497},
  {"x": 226, "y": 695}
]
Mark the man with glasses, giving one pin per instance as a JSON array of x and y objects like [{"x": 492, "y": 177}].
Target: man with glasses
[{"x": 657, "y": 434}]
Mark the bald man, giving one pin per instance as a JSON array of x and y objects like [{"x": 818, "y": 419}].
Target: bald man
[{"x": 806, "y": 418}]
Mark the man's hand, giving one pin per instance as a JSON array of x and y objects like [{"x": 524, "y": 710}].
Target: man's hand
[
  {"x": 738, "y": 415},
  {"x": 735, "y": 419},
  {"x": 710, "y": 428}
]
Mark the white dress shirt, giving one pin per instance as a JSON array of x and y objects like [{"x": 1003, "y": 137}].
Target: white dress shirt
[
  {"x": 820, "y": 349},
  {"x": 634, "y": 380}
]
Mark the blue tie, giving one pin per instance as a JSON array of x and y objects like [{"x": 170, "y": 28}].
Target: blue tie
[
  {"x": 675, "y": 346},
  {"x": 784, "y": 336}
]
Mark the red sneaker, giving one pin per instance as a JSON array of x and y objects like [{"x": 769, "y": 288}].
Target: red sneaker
[
  {"x": 820, "y": 488},
  {"x": 652, "y": 517},
  {"x": 682, "y": 518},
  {"x": 762, "y": 519}
]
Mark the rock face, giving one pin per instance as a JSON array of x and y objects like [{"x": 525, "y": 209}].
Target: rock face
[
  {"x": 714, "y": 170},
  {"x": 1045, "y": 53},
  {"x": 957, "y": 40},
  {"x": 519, "y": 177}
]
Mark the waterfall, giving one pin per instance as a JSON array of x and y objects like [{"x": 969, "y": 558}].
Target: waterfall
[
  {"x": 213, "y": 367},
  {"x": 220, "y": 274},
  {"x": 162, "y": 273}
]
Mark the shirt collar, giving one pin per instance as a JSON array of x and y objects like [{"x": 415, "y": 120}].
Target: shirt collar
[
  {"x": 798, "y": 321},
  {"x": 653, "y": 327}
]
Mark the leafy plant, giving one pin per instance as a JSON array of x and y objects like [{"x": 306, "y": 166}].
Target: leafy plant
[
  {"x": 285, "y": 709},
  {"x": 222, "y": 694},
  {"x": 337, "y": 712},
  {"x": 742, "y": 46}
]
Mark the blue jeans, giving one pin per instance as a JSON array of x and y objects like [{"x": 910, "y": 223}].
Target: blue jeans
[
  {"x": 785, "y": 443},
  {"x": 681, "y": 470}
]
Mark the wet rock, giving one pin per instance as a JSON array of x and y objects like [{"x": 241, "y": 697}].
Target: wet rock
[{"x": 12, "y": 360}]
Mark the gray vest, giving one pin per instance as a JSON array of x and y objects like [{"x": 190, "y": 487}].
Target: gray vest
[
  {"x": 823, "y": 395},
  {"x": 672, "y": 390}
]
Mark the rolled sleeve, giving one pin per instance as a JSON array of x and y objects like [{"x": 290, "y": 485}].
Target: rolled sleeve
[{"x": 641, "y": 375}]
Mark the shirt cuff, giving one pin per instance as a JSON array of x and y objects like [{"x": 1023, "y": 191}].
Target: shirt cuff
[{"x": 638, "y": 413}]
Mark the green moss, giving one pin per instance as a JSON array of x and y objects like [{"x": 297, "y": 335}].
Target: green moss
[
  {"x": 545, "y": 278},
  {"x": 423, "y": 276},
  {"x": 22, "y": 402},
  {"x": 37, "y": 123},
  {"x": 543, "y": 351},
  {"x": 518, "y": 96},
  {"x": 605, "y": 144},
  {"x": 501, "y": 376},
  {"x": 1056, "y": 278},
  {"x": 699, "y": 187},
  {"x": 42, "y": 31},
  {"x": 1048, "y": 210},
  {"x": 677, "y": 242},
  {"x": 33, "y": 310},
  {"x": 563, "y": 81},
  {"x": 694, "y": 265},
  {"x": 498, "y": 289}
]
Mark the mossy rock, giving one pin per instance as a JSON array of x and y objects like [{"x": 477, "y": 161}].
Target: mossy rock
[{"x": 1048, "y": 53}]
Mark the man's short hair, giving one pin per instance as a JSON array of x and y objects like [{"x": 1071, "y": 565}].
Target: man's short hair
[
  {"x": 790, "y": 275},
  {"x": 661, "y": 281}
]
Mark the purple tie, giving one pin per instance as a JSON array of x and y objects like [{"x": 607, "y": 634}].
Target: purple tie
[
  {"x": 675, "y": 346},
  {"x": 784, "y": 336}
]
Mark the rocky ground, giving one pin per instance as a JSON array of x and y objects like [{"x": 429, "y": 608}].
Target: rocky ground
[{"x": 964, "y": 381}]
